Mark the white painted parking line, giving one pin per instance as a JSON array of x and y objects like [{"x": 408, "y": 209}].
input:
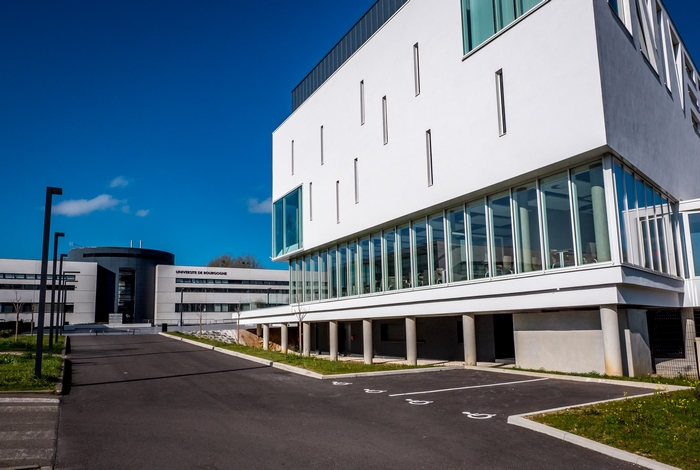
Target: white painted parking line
[
  {"x": 341, "y": 383},
  {"x": 26, "y": 454},
  {"x": 466, "y": 388},
  {"x": 29, "y": 400},
  {"x": 25, "y": 435},
  {"x": 20, "y": 409},
  {"x": 368, "y": 390}
]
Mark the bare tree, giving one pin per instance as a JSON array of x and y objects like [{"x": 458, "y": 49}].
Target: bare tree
[
  {"x": 242, "y": 261},
  {"x": 200, "y": 314},
  {"x": 301, "y": 313},
  {"x": 31, "y": 324},
  {"x": 18, "y": 304}
]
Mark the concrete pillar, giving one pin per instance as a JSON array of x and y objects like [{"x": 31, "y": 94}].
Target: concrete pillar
[
  {"x": 469, "y": 334},
  {"x": 285, "y": 338},
  {"x": 600, "y": 218},
  {"x": 612, "y": 352},
  {"x": 367, "y": 340},
  {"x": 524, "y": 220},
  {"x": 348, "y": 338},
  {"x": 411, "y": 342},
  {"x": 306, "y": 339},
  {"x": 266, "y": 337},
  {"x": 258, "y": 329},
  {"x": 688, "y": 321},
  {"x": 333, "y": 339}
]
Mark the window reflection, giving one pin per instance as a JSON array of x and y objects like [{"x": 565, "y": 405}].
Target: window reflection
[
  {"x": 527, "y": 228},
  {"x": 390, "y": 257},
  {"x": 420, "y": 242},
  {"x": 478, "y": 248},
  {"x": 556, "y": 211},
  {"x": 437, "y": 243},
  {"x": 591, "y": 214},
  {"x": 501, "y": 235},
  {"x": 404, "y": 243},
  {"x": 376, "y": 242},
  {"x": 456, "y": 230}
]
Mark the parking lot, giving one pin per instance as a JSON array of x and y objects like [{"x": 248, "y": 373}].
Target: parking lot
[{"x": 148, "y": 401}]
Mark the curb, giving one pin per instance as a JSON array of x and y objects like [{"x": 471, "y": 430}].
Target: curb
[
  {"x": 308, "y": 373},
  {"x": 574, "y": 378}
]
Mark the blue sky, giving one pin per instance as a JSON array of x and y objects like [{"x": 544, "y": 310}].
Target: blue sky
[{"x": 155, "y": 116}]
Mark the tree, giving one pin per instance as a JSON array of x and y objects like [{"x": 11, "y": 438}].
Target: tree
[
  {"x": 18, "y": 304},
  {"x": 242, "y": 261},
  {"x": 237, "y": 309},
  {"x": 301, "y": 313}
]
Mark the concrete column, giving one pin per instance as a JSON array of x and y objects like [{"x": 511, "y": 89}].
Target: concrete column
[
  {"x": 266, "y": 337},
  {"x": 306, "y": 339},
  {"x": 688, "y": 321},
  {"x": 469, "y": 334},
  {"x": 411, "y": 342},
  {"x": 611, "y": 340},
  {"x": 600, "y": 218},
  {"x": 285, "y": 338},
  {"x": 524, "y": 220},
  {"x": 258, "y": 329},
  {"x": 367, "y": 340},
  {"x": 333, "y": 339}
]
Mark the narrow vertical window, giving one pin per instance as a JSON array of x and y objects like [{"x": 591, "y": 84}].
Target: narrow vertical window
[
  {"x": 311, "y": 202},
  {"x": 429, "y": 155},
  {"x": 292, "y": 157},
  {"x": 362, "y": 103},
  {"x": 357, "y": 185},
  {"x": 385, "y": 121},
  {"x": 337, "y": 201},
  {"x": 321, "y": 145},
  {"x": 500, "y": 98},
  {"x": 416, "y": 68}
]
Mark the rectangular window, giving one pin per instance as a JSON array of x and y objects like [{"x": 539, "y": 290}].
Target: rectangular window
[
  {"x": 621, "y": 209},
  {"x": 429, "y": 155},
  {"x": 527, "y": 228},
  {"x": 420, "y": 245},
  {"x": 307, "y": 279},
  {"x": 332, "y": 274},
  {"x": 343, "y": 270},
  {"x": 376, "y": 243},
  {"x": 556, "y": 218},
  {"x": 293, "y": 282},
  {"x": 323, "y": 274},
  {"x": 362, "y": 103},
  {"x": 502, "y": 260},
  {"x": 365, "y": 280},
  {"x": 404, "y": 246},
  {"x": 457, "y": 243},
  {"x": 416, "y": 69},
  {"x": 500, "y": 98},
  {"x": 287, "y": 223},
  {"x": 694, "y": 226},
  {"x": 438, "y": 274},
  {"x": 337, "y": 202},
  {"x": 482, "y": 19},
  {"x": 292, "y": 157},
  {"x": 311, "y": 202},
  {"x": 478, "y": 242},
  {"x": 352, "y": 268},
  {"x": 593, "y": 240},
  {"x": 321, "y": 145},
  {"x": 385, "y": 121},
  {"x": 390, "y": 259},
  {"x": 357, "y": 184},
  {"x": 314, "y": 276}
]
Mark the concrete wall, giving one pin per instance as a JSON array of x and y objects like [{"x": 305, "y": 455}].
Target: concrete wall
[{"x": 563, "y": 341}]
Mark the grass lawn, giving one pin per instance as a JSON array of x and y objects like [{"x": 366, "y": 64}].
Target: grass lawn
[
  {"x": 654, "y": 379},
  {"x": 321, "y": 366},
  {"x": 28, "y": 343},
  {"x": 17, "y": 372},
  {"x": 664, "y": 427}
]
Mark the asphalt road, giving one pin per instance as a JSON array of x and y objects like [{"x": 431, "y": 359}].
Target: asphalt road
[{"x": 152, "y": 402}]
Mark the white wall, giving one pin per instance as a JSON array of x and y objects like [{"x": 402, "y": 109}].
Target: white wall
[{"x": 553, "y": 102}]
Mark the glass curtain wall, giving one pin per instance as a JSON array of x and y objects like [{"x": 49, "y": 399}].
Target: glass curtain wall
[
  {"x": 502, "y": 261},
  {"x": 287, "y": 223},
  {"x": 323, "y": 274},
  {"x": 376, "y": 242},
  {"x": 556, "y": 215},
  {"x": 352, "y": 269},
  {"x": 390, "y": 257},
  {"x": 333, "y": 273},
  {"x": 404, "y": 244},
  {"x": 694, "y": 227},
  {"x": 343, "y": 270},
  {"x": 307, "y": 280},
  {"x": 593, "y": 245},
  {"x": 365, "y": 280},
  {"x": 314, "y": 276},
  {"x": 481, "y": 19},
  {"x": 293, "y": 282},
  {"x": 457, "y": 243},
  {"x": 478, "y": 244},
  {"x": 420, "y": 263},
  {"x": 438, "y": 273},
  {"x": 527, "y": 228}
]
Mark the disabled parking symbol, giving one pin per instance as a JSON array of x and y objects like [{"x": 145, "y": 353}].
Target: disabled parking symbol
[
  {"x": 477, "y": 415},
  {"x": 418, "y": 402}
]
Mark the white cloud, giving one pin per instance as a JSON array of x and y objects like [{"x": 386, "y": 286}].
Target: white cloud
[
  {"x": 126, "y": 209},
  {"x": 142, "y": 213},
  {"x": 119, "y": 182},
  {"x": 76, "y": 207},
  {"x": 260, "y": 207}
]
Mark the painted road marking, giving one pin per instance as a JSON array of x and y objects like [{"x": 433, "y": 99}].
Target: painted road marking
[
  {"x": 25, "y": 435},
  {"x": 367, "y": 390},
  {"x": 26, "y": 454},
  {"x": 418, "y": 402},
  {"x": 20, "y": 409},
  {"x": 465, "y": 388},
  {"x": 341, "y": 383},
  {"x": 29, "y": 400},
  {"x": 477, "y": 415}
]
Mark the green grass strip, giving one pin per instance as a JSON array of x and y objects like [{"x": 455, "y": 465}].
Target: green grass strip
[
  {"x": 28, "y": 343},
  {"x": 663, "y": 427},
  {"x": 321, "y": 366},
  {"x": 17, "y": 372},
  {"x": 680, "y": 380}
]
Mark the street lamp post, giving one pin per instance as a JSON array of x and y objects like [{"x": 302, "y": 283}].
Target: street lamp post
[
  {"x": 56, "y": 236},
  {"x": 44, "y": 268}
]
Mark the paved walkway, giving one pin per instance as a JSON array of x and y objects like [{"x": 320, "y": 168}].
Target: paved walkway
[
  {"x": 28, "y": 425},
  {"x": 151, "y": 402}
]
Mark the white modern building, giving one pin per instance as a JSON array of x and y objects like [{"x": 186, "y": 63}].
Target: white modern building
[{"x": 491, "y": 179}]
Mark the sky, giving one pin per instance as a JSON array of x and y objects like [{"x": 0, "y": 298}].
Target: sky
[{"x": 155, "y": 117}]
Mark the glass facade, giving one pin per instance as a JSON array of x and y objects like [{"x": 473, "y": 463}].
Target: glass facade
[
  {"x": 557, "y": 222},
  {"x": 481, "y": 19},
  {"x": 694, "y": 226},
  {"x": 287, "y": 223}
]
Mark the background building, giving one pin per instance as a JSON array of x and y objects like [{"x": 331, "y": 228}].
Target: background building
[{"x": 473, "y": 180}]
